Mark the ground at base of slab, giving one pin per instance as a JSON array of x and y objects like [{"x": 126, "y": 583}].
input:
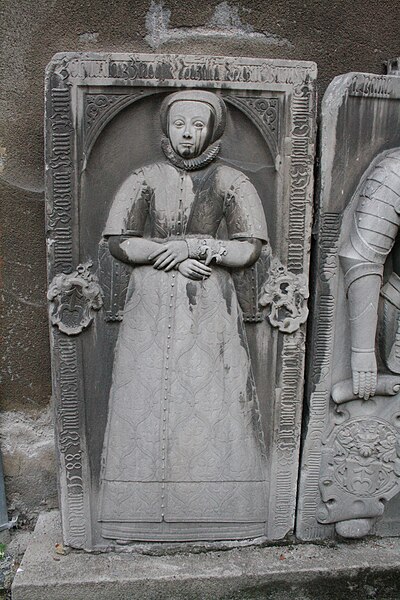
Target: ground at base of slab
[{"x": 359, "y": 570}]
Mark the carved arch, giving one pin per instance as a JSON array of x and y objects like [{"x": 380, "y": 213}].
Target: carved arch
[
  {"x": 263, "y": 113},
  {"x": 101, "y": 108}
]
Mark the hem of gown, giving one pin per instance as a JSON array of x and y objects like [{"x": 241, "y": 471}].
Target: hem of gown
[{"x": 181, "y": 532}]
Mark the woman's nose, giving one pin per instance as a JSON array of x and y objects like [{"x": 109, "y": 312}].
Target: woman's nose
[{"x": 187, "y": 133}]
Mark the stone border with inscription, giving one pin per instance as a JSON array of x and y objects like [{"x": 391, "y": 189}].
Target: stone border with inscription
[{"x": 71, "y": 131}]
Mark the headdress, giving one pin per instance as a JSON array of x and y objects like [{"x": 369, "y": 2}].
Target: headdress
[
  {"x": 218, "y": 108},
  {"x": 215, "y": 102}
]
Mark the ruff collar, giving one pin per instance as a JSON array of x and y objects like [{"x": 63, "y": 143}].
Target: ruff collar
[{"x": 190, "y": 164}]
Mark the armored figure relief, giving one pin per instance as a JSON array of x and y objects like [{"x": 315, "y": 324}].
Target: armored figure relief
[
  {"x": 373, "y": 237},
  {"x": 360, "y": 469},
  {"x": 184, "y": 454}
]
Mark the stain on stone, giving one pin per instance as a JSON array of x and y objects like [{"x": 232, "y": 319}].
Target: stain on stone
[
  {"x": 242, "y": 332},
  {"x": 191, "y": 291},
  {"x": 227, "y": 17},
  {"x": 2, "y": 159},
  {"x": 252, "y": 407},
  {"x": 226, "y": 289},
  {"x": 224, "y": 23},
  {"x": 89, "y": 37},
  {"x": 157, "y": 24}
]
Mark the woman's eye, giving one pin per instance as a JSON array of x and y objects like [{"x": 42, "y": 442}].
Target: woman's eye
[
  {"x": 199, "y": 124},
  {"x": 179, "y": 123}
]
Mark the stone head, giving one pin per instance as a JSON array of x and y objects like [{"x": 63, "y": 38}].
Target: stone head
[
  {"x": 189, "y": 127},
  {"x": 192, "y": 121}
]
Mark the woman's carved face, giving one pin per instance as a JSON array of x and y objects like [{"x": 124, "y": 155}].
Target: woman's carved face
[{"x": 189, "y": 127}]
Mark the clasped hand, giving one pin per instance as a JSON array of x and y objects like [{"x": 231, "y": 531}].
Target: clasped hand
[
  {"x": 364, "y": 371},
  {"x": 175, "y": 254}
]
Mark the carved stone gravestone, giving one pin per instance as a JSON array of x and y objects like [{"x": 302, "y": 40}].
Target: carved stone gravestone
[
  {"x": 179, "y": 201},
  {"x": 351, "y": 462}
]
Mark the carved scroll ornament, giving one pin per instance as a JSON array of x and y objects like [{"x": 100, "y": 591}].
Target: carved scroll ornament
[
  {"x": 286, "y": 295},
  {"x": 73, "y": 299}
]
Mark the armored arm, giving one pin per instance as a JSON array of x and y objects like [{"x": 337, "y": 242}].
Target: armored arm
[
  {"x": 363, "y": 283},
  {"x": 362, "y": 257}
]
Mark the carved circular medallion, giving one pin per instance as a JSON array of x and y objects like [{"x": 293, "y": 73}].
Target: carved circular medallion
[{"x": 365, "y": 457}]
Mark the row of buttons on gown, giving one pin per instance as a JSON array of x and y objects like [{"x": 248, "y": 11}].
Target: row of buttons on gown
[
  {"x": 178, "y": 231},
  {"x": 166, "y": 391}
]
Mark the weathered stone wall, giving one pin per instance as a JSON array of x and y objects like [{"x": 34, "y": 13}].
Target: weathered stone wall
[{"x": 339, "y": 36}]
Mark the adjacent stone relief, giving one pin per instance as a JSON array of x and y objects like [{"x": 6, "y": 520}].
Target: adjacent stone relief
[
  {"x": 351, "y": 461},
  {"x": 178, "y": 244}
]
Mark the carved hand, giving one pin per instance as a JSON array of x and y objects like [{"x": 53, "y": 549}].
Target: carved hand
[
  {"x": 364, "y": 370},
  {"x": 194, "y": 269},
  {"x": 170, "y": 254}
]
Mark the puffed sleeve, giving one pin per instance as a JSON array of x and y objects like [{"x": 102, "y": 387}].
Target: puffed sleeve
[
  {"x": 243, "y": 210},
  {"x": 130, "y": 207}
]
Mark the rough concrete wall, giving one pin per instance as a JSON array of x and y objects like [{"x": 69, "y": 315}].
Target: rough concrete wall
[{"x": 340, "y": 36}]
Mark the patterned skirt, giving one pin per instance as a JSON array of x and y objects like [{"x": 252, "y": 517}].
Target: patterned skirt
[{"x": 183, "y": 455}]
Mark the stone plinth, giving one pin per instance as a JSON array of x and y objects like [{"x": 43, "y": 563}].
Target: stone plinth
[{"x": 358, "y": 570}]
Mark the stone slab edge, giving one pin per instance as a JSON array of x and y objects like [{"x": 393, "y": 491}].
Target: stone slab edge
[{"x": 367, "y": 569}]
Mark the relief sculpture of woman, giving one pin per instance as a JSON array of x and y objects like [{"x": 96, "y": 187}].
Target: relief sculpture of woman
[{"x": 184, "y": 454}]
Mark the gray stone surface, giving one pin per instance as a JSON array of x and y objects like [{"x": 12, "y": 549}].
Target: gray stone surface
[
  {"x": 192, "y": 399},
  {"x": 27, "y": 443},
  {"x": 357, "y": 570},
  {"x": 351, "y": 455}
]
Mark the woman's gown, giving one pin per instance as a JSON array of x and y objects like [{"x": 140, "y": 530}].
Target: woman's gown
[{"x": 184, "y": 455}]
